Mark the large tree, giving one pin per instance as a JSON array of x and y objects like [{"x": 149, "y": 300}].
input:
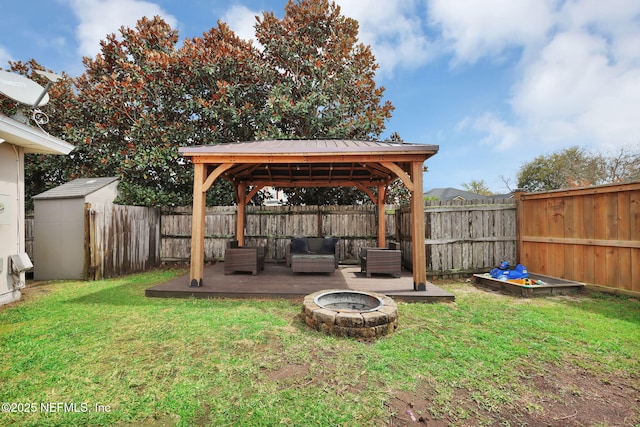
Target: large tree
[
  {"x": 143, "y": 96},
  {"x": 321, "y": 78},
  {"x": 577, "y": 167},
  {"x": 126, "y": 123}
]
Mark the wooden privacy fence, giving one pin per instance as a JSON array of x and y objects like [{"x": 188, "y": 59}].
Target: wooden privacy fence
[
  {"x": 120, "y": 240},
  {"x": 590, "y": 235},
  {"x": 29, "y": 231},
  {"x": 464, "y": 237},
  {"x": 461, "y": 237},
  {"x": 273, "y": 227}
]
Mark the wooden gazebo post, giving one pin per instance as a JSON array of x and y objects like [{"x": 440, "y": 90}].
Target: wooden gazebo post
[
  {"x": 201, "y": 183},
  {"x": 240, "y": 214},
  {"x": 417, "y": 229},
  {"x": 197, "y": 225},
  {"x": 382, "y": 229}
]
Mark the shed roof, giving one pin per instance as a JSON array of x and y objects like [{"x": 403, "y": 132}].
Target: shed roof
[{"x": 80, "y": 187}]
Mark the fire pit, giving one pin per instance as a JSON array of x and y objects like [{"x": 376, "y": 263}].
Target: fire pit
[{"x": 356, "y": 314}]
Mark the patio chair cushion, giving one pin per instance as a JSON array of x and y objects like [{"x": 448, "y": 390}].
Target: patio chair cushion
[
  {"x": 312, "y": 263},
  {"x": 299, "y": 246},
  {"x": 314, "y": 246}
]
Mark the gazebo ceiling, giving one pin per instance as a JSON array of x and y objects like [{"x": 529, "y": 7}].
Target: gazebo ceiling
[
  {"x": 295, "y": 163},
  {"x": 308, "y": 174}
]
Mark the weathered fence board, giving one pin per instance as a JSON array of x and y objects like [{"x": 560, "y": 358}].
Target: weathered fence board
[
  {"x": 29, "y": 223},
  {"x": 459, "y": 237},
  {"x": 464, "y": 237},
  {"x": 122, "y": 240},
  {"x": 273, "y": 227}
]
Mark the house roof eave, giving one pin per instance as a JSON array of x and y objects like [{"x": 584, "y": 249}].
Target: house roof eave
[{"x": 32, "y": 139}]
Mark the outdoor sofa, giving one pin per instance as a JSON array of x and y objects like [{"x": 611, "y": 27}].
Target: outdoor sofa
[
  {"x": 243, "y": 258},
  {"x": 381, "y": 260},
  {"x": 312, "y": 254}
]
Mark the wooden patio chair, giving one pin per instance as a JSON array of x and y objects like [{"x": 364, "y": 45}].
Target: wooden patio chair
[
  {"x": 381, "y": 260},
  {"x": 243, "y": 258}
]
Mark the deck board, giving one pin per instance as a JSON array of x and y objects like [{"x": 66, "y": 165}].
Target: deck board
[{"x": 278, "y": 281}]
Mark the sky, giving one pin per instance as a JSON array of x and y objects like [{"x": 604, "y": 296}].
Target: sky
[{"x": 493, "y": 83}]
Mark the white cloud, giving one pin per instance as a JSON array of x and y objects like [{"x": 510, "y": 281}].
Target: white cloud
[
  {"x": 497, "y": 133},
  {"x": 474, "y": 29},
  {"x": 583, "y": 86},
  {"x": 394, "y": 30},
  {"x": 98, "y": 18},
  {"x": 612, "y": 16},
  {"x": 577, "y": 80},
  {"x": 5, "y": 57},
  {"x": 242, "y": 21},
  {"x": 616, "y": 20},
  {"x": 565, "y": 77}
]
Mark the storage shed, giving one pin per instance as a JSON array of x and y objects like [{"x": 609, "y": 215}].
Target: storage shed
[{"x": 59, "y": 226}]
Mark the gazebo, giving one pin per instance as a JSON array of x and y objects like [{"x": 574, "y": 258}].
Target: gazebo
[{"x": 252, "y": 165}]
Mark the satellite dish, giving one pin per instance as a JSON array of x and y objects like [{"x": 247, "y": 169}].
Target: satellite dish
[
  {"x": 52, "y": 77},
  {"x": 23, "y": 90}
]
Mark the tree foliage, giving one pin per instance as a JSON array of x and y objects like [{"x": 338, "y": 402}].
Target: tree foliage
[
  {"x": 477, "y": 187},
  {"x": 129, "y": 120},
  {"x": 577, "y": 167},
  {"x": 321, "y": 79},
  {"x": 143, "y": 96}
]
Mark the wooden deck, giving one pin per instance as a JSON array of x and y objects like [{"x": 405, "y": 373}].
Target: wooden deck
[{"x": 278, "y": 281}]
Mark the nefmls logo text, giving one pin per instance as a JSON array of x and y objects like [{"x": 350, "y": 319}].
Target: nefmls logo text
[{"x": 52, "y": 407}]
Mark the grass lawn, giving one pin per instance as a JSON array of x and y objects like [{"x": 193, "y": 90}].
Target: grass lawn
[{"x": 100, "y": 353}]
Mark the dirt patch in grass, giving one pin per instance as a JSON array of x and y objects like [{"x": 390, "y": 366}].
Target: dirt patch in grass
[
  {"x": 559, "y": 396},
  {"x": 289, "y": 373}
]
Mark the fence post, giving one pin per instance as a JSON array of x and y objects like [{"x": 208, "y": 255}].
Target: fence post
[
  {"x": 517, "y": 194},
  {"x": 89, "y": 269}
]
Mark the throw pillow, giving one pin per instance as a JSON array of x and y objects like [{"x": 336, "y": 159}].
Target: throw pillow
[
  {"x": 299, "y": 246},
  {"x": 329, "y": 245}
]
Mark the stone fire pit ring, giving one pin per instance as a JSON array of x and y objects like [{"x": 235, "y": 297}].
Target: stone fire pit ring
[{"x": 355, "y": 314}]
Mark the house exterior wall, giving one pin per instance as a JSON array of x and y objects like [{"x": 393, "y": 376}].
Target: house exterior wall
[
  {"x": 59, "y": 239},
  {"x": 11, "y": 219}
]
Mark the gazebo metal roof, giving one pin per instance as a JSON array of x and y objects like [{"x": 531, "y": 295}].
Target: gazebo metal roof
[
  {"x": 285, "y": 147},
  {"x": 252, "y": 165},
  {"x": 319, "y": 163}
]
